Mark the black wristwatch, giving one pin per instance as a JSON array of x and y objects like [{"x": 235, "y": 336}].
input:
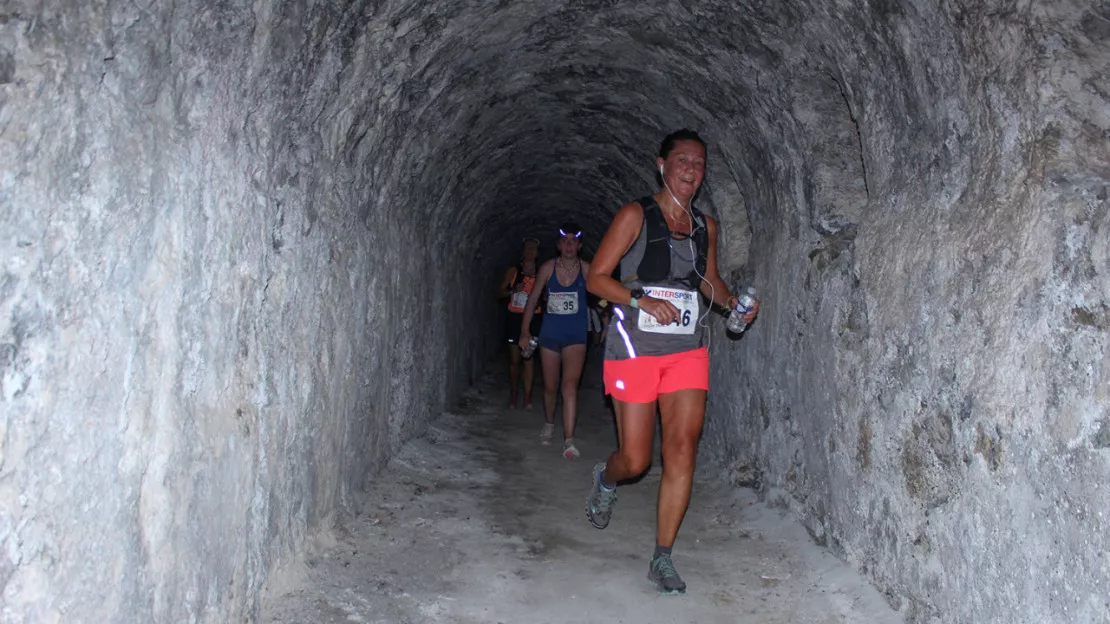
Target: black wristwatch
[{"x": 637, "y": 293}]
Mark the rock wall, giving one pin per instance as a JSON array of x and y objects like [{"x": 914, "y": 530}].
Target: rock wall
[
  {"x": 249, "y": 249},
  {"x": 927, "y": 387},
  {"x": 209, "y": 331}
]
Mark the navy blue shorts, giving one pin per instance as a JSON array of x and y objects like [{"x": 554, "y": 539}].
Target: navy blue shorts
[{"x": 559, "y": 342}]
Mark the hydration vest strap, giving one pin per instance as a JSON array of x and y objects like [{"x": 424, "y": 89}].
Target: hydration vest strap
[
  {"x": 518, "y": 277},
  {"x": 656, "y": 263}
]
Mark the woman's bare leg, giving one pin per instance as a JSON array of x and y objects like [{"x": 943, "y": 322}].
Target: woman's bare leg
[
  {"x": 529, "y": 380},
  {"x": 551, "y": 364},
  {"x": 682, "y": 414},
  {"x": 574, "y": 358},
  {"x": 514, "y": 372}
]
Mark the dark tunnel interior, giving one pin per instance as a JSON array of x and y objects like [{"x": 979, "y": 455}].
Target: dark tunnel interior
[{"x": 250, "y": 249}]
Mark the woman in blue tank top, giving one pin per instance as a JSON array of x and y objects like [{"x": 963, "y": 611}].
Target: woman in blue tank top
[{"x": 563, "y": 333}]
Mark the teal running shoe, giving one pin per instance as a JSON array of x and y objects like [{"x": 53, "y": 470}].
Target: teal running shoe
[
  {"x": 666, "y": 578},
  {"x": 599, "y": 506}
]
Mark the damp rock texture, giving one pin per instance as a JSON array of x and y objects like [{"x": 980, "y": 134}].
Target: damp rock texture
[
  {"x": 249, "y": 249},
  {"x": 224, "y": 297},
  {"x": 928, "y": 385},
  {"x": 443, "y": 537}
]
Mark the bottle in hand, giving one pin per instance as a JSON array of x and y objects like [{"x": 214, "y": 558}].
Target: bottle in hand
[
  {"x": 744, "y": 304},
  {"x": 530, "y": 348}
]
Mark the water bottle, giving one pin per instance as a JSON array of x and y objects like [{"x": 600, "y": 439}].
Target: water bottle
[
  {"x": 527, "y": 351},
  {"x": 744, "y": 304}
]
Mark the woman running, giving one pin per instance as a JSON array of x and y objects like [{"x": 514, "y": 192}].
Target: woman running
[
  {"x": 563, "y": 334},
  {"x": 667, "y": 252},
  {"x": 516, "y": 286}
]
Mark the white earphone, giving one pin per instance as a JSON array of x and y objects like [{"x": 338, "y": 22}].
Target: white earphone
[{"x": 693, "y": 253}]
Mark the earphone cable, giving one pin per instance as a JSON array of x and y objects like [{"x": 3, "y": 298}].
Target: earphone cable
[{"x": 693, "y": 258}]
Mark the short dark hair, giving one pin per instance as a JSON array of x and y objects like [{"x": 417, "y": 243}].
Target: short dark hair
[
  {"x": 570, "y": 228},
  {"x": 676, "y": 136}
]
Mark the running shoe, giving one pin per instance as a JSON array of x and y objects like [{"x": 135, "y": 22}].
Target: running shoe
[
  {"x": 546, "y": 433},
  {"x": 570, "y": 451},
  {"x": 666, "y": 578},
  {"x": 599, "y": 506}
]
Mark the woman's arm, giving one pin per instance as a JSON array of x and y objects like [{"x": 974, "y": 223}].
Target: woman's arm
[
  {"x": 542, "y": 276},
  {"x": 719, "y": 294},
  {"x": 713, "y": 287},
  {"x": 506, "y": 283},
  {"x": 617, "y": 240},
  {"x": 622, "y": 233}
]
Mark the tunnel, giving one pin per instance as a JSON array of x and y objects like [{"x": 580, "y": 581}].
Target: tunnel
[{"x": 250, "y": 248}]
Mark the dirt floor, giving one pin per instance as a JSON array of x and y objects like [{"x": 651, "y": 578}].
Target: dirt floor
[{"x": 478, "y": 522}]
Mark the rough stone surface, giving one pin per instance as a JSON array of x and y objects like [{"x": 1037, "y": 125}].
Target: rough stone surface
[
  {"x": 247, "y": 249},
  {"x": 927, "y": 386},
  {"x": 476, "y": 522},
  {"x": 209, "y": 312}
]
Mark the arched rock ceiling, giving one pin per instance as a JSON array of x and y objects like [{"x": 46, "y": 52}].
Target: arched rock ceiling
[{"x": 534, "y": 112}]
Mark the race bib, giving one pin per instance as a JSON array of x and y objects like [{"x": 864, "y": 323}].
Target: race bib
[
  {"x": 562, "y": 302},
  {"x": 685, "y": 300},
  {"x": 519, "y": 300}
]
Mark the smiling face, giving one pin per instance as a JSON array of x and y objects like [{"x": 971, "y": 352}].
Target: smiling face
[{"x": 684, "y": 168}]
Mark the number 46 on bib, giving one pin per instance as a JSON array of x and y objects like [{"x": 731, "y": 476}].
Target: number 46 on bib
[{"x": 685, "y": 300}]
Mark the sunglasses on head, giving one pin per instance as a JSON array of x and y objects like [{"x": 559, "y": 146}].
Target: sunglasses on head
[{"x": 577, "y": 234}]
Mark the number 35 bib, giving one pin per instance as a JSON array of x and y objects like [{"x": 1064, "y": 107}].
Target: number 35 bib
[
  {"x": 685, "y": 300},
  {"x": 562, "y": 302}
]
